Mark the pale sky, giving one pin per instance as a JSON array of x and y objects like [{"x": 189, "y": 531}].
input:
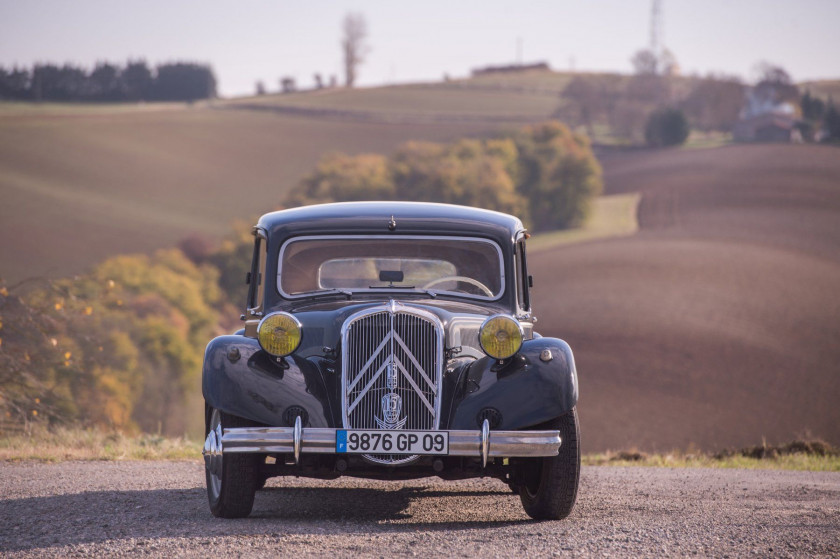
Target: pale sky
[{"x": 254, "y": 40}]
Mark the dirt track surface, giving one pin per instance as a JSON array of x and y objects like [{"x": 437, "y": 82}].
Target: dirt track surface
[
  {"x": 160, "y": 509},
  {"x": 717, "y": 325}
]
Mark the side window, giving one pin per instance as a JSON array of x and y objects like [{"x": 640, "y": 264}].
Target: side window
[
  {"x": 522, "y": 278},
  {"x": 256, "y": 277}
]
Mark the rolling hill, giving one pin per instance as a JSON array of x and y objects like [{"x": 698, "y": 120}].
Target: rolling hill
[
  {"x": 716, "y": 324},
  {"x": 80, "y": 184}
]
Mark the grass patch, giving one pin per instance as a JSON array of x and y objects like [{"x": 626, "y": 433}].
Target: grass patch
[
  {"x": 414, "y": 100},
  {"x": 816, "y": 456},
  {"x": 612, "y": 216},
  {"x": 705, "y": 140},
  {"x": 69, "y": 443},
  {"x": 24, "y": 108}
]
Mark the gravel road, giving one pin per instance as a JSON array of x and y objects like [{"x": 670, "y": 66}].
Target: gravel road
[{"x": 160, "y": 509}]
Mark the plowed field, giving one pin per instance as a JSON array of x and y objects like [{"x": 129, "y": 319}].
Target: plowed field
[{"x": 719, "y": 323}]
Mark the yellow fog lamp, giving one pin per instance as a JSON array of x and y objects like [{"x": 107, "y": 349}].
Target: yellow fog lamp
[
  {"x": 279, "y": 333},
  {"x": 500, "y": 336}
]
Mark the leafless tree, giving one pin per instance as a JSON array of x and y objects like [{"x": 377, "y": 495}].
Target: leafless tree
[
  {"x": 586, "y": 96},
  {"x": 714, "y": 103},
  {"x": 288, "y": 84},
  {"x": 645, "y": 62},
  {"x": 353, "y": 45},
  {"x": 775, "y": 84}
]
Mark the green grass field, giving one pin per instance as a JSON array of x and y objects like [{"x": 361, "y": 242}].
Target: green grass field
[{"x": 611, "y": 216}]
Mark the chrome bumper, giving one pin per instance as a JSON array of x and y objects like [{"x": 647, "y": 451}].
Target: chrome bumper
[{"x": 296, "y": 440}]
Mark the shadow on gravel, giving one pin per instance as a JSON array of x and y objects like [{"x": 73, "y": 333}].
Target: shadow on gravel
[
  {"x": 92, "y": 517},
  {"x": 373, "y": 505}
]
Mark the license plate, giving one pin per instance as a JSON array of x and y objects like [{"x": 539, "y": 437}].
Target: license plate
[{"x": 376, "y": 441}]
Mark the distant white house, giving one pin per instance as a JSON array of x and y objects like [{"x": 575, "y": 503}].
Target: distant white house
[{"x": 764, "y": 120}]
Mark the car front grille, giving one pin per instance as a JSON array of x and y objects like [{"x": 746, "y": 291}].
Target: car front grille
[{"x": 391, "y": 371}]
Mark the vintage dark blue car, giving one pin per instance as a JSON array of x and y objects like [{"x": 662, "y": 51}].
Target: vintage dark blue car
[{"x": 390, "y": 341}]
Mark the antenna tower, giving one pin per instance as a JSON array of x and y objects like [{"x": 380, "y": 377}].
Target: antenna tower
[{"x": 656, "y": 27}]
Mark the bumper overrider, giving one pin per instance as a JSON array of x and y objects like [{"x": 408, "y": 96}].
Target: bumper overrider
[{"x": 296, "y": 440}]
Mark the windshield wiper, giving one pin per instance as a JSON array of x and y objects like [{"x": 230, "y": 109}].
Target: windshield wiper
[
  {"x": 428, "y": 292},
  {"x": 333, "y": 292}
]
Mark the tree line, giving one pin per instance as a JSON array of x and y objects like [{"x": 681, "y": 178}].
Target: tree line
[
  {"x": 622, "y": 104},
  {"x": 658, "y": 107},
  {"x": 136, "y": 81},
  {"x": 545, "y": 174}
]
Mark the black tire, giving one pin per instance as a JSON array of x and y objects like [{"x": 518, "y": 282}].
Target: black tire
[
  {"x": 231, "y": 495},
  {"x": 261, "y": 481},
  {"x": 548, "y": 486}
]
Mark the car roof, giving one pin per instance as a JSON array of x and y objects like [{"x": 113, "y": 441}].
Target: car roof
[{"x": 376, "y": 218}]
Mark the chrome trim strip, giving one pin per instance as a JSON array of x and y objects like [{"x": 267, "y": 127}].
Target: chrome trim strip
[
  {"x": 485, "y": 442},
  {"x": 298, "y": 434},
  {"x": 417, "y": 389},
  {"x": 370, "y": 361},
  {"x": 500, "y": 444},
  {"x": 364, "y": 390},
  {"x": 495, "y": 245},
  {"x": 417, "y": 366}
]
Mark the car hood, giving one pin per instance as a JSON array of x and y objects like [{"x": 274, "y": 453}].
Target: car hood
[{"x": 322, "y": 321}]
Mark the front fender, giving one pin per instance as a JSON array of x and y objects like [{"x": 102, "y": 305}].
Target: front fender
[
  {"x": 525, "y": 391},
  {"x": 241, "y": 379}
]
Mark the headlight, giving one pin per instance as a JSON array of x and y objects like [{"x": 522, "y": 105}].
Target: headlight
[
  {"x": 279, "y": 333},
  {"x": 500, "y": 336}
]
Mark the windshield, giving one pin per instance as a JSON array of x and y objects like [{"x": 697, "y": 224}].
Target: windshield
[{"x": 456, "y": 265}]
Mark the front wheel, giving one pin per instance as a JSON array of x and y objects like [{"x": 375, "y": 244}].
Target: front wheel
[
  {"x": 232, "y": 479},
  {"x": 548, "y": 486}
]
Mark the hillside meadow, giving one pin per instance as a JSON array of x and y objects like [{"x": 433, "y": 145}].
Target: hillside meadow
[{"x": 79, "y": 184}]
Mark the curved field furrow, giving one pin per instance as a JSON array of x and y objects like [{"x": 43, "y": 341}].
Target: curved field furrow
[{"x": 718, "y": 323}]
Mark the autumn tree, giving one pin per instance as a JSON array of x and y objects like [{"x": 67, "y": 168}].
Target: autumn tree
[
  {"x": 558, "y": 175},
  {"x": 353, "y": 46},
  {"x": 117, "y": 347},
  {"x": 342, "y": 178},
  {"x": 545, "y": 174},
  {"x": 467, "y": 172}
]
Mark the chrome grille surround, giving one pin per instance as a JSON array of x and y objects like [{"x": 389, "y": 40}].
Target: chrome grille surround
[{"x": 391, "y": 371}]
